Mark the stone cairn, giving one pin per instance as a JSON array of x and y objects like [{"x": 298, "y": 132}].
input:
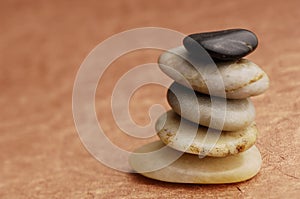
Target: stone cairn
[{"x": 233, "y": 157}]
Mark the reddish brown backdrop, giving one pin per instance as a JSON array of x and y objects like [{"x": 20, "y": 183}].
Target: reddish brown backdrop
[{"x": 42, "y": 44}]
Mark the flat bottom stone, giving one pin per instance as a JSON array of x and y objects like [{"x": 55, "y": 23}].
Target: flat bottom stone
[{"x": 191, "y": 169}]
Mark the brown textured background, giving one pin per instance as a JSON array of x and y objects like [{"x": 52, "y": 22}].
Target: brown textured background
[{"x": 42, "y": 44}]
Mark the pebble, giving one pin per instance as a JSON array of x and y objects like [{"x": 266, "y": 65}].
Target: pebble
[
  {"x": 191, "y": 169},
  {"x": 196, "y": 107},
  {"x": 241, "y": 78},
  {"x": 230, "y": 44},
  {"x": 188, "y": 137},
  {"x": 208, "y": 137}
]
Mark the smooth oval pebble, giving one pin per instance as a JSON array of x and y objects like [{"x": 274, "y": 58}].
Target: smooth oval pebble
[
  {"x": 241, "y": 78},
  {"x": 186, "y": 136},
  {"x": 191, "y": 169},
  {"x": 230, "y": 44},
  {"x": 197, "y": 107}
]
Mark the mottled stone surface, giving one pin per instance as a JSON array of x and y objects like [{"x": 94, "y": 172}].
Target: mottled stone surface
[
  {"x": 241, "y": 78},
  {"x": 187, "y": 136},
  {"x": 230, "y": 44},
  {"x": 227, "y": 114},
  {"x": 192, "y": 169}
]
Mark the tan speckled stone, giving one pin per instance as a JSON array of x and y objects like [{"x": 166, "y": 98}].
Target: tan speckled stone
[
  {"x": 241, "y": 78},
  {"x": 189, "y": 137},
  {"x": 191, "y": 169},
  {"x": 236, "y": 113}
]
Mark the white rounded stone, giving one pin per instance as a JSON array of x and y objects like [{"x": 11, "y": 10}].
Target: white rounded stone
[
  {"x": 186, "y": 136},
  {"x": 191, "y": 169},
  {"x": 241, "y": 78},
  {"x": 235, "y": 113}
]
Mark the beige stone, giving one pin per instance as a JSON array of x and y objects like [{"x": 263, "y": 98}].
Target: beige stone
[
  {"x": 191, "y": 169},
  {"x": 241, "y": 78},
  {"x": 188, "y": 137},
  {"x": 228, "y": 115}
]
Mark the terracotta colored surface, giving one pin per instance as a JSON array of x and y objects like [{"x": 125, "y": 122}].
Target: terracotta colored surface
[{"x": 42, "y": 44}]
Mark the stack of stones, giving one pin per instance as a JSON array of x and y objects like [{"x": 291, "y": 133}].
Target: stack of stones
[{"x": 233, "y": 157}]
